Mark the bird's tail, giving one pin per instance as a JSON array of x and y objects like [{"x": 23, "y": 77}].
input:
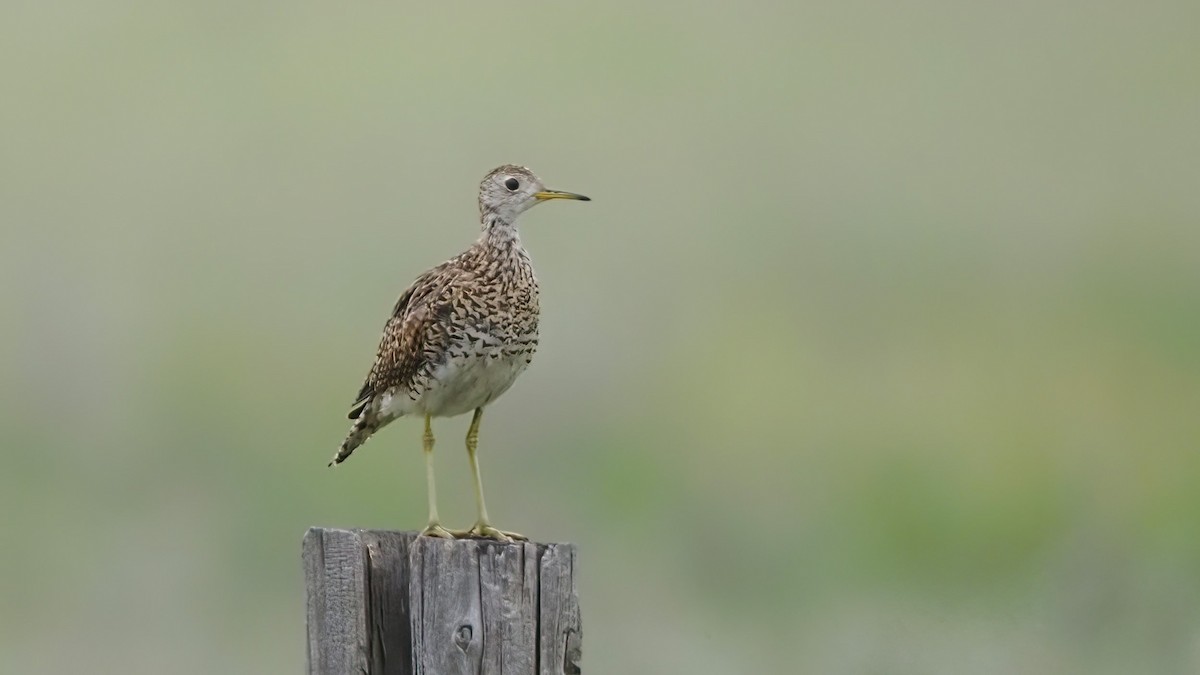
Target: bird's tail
[{"x": 363, "y": 427}]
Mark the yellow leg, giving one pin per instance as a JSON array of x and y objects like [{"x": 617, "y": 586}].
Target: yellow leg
[
  {"x": 434, "y": 528},
  {"x": 483, "y": 526}
]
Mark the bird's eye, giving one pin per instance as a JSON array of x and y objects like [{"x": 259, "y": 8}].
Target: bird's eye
[{"x": 512, "y": 184}]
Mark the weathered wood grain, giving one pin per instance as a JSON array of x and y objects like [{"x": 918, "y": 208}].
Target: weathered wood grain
[
  {"x": 560, "y": 640},
  {"x": 384, "y": 603}
]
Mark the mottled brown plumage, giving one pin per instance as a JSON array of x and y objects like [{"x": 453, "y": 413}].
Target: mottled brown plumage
[{"x": 462, "y": 332}]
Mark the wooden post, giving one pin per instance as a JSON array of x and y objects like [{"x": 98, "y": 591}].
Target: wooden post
[{"x": 384, "y": 603}]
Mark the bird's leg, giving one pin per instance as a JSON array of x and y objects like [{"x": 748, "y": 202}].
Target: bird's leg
[
  {"x": 483, "y": 526},
  {"x": 434, "y": 528}
]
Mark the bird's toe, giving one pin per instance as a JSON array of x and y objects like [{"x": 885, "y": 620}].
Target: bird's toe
[
  {"x": 436, "y": 530},
  {"x": 485, "y": 531}
]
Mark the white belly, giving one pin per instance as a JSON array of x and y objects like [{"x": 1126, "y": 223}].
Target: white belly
[{"x": 461, "y": 386}]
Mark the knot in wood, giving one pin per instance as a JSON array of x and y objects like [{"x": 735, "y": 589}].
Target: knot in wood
[{"x": 462, "y": 636}]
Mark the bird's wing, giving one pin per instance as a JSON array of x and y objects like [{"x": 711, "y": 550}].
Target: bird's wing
[{"x": 411, "y": 336}]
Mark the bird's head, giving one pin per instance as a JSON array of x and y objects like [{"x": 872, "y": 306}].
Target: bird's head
[{"x": 510, "y": 190}]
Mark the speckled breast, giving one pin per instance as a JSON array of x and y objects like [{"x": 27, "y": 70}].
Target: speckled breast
[{"x": 488, "y": 350}]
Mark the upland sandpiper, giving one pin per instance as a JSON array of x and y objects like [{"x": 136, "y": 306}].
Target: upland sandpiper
[{"x": 459, "y": 336}]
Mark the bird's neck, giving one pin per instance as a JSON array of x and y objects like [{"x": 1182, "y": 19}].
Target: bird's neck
[{"x": 499, "y": 232}]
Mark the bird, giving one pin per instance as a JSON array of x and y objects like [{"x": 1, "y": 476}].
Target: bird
[{"x": 458, "y": 337}]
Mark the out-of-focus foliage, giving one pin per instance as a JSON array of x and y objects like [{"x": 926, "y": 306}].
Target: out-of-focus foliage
[{"x": 878, "y": 350}]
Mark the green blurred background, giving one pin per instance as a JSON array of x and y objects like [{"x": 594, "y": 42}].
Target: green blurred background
[{"x": 878, "y": 350}]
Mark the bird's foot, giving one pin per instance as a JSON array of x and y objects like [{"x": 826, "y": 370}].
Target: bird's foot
[
  {"x": 486, "y": 531},
  {"x": 436, "y": 530}
]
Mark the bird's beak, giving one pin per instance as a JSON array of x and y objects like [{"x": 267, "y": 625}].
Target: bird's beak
[{"x": 558, "y": 194}]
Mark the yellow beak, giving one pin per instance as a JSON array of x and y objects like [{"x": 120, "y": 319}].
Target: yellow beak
[{"x": 557, "y": 194}]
